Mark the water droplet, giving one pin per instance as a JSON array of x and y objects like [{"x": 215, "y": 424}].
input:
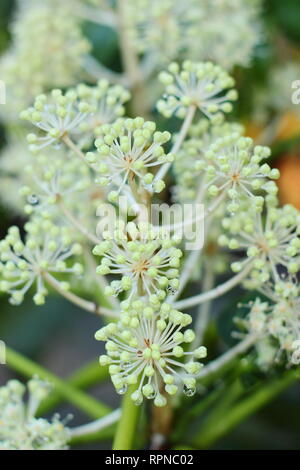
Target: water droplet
[
  {"x": 125, "y": 365},
  {"x": 33, "y": 200},
  {"x": 171, "y": 290},
  {"x": 139, "y": 401},
  {"x": 122, "y": 390},
  {"x": 189, "y": 392}
]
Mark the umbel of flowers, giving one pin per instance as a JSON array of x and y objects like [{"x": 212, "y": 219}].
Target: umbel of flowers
[
  {"x": 44, "y": 254},
  {"x": 276, "y": 319},
  {"x": 146, "y": 347},
  {"x": 20, "y": 429},
  {"x": 147, "y": 263},
  {"x": 127, "y": 150}
]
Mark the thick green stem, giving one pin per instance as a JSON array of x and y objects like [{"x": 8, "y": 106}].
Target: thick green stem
[
  {"x": 81, "y": 400},
  {"x": 126, "y": 429},
  {"x": 83, "y": 378},
  {"x": 245, "y": 408}
]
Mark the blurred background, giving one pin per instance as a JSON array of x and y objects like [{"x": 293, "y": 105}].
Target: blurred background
[{"x": 58, "y": 335}]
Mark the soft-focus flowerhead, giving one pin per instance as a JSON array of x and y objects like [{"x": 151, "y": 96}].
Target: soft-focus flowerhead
[
  {"x": 56, "y": 59},
  {"x": 107, "y": 104},
  {"x": 269, "y": 240},
  {"x": 227, "y": 32},
  {"x": 201, "y": 136},
  {"x": 55, "y": 115},
  {"x": 19, "y": 428},
  {"x": 278, "y": 318},
  {"x": 53, "y": 177},
  {"x": 194, "y": 29},
  {"x": 127, "y": 150},
  {"x": 233, "y": 170},
  {"x": 204, "y": 85},
  {"x": 152, "y": 21},
  {"x": 146, "y": 347},
  {"x": 46, "y": 249},
  {"x": 146, "y": 261}
]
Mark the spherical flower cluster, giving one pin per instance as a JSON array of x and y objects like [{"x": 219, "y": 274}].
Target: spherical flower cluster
[
  {"x": 150, "y": 22},
  {"x": 19, "y": 428},
  {"x": 270, "y": 240},
  {"x": 227, "y": 32},
  {"x": 145, "y": 348},
  {"x": 52, "y": 178},
  {"x": 278, "y": 318},
  {"x": 56, "y": 59},
  {"x": 195, "y": 29},
  {"x": 147, "y": 262},
  {"x": 107, "y": 104},
  {"x": 56, "y": 116},
  {"x": 127, "y": 150},
  {"x": 43, "y": 254},
  {"x": 233, "y": 169},
  {"x": 203, "y": 85},
  {"x": 201, "y": 136}
]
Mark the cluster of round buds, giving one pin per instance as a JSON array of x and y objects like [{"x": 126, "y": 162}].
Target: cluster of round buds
[
  {"x": 284, "y": 319},
  {"x": 279, "y": 318},
  {"x": 19, "y": 428},
  {"x": 45, "y": 252},
  {"x": 107, "y": 104},
  {"x": 233, "y": 169},
  {"x": 151, "y": 21},
  {"x": 55, "y": 115},
  {"x": 145, "y": 348},
  {"x": 54, "y": 178},
  {"x": 57, "y": 59},
  {"x": 256, "y": 320},
  {"x": 201, "y": 136},
  {"x": 227, "y": 46},
  {"x": 147, "y": 261},
  {"x": 204, "y": 85},
  {"x": 270, "y": 240},
  {"x": 127, "y": 150}
]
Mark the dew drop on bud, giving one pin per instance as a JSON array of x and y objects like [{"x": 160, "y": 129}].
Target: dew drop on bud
[
  {"x": 122, "y": 390},
  {"x": 33, "y": 200},
  {"x": 189, "y": 392}
]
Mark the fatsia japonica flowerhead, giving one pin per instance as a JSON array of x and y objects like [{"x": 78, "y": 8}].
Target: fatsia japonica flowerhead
[
  {"x": 107, "y": 104},
  {"x": 55, "y": 176},
  {"x": 20, "y": 429},
  {"x": 201, "y": 136},
  {"x": 127, "y": 151},
  {"x": 152, "y": 21},
  {"x": 146, "y": 348},
  {"x": 233, "y": 170},
  {"x": 227, "y": 32},
  {"x": 269, "y": 239},
  {"x": 56, "y": 116},
  {"x": 43, "y": 254},
  {"x": 277, "y": 318},
  {"x": 58, "y": 56},
  {"x": 146, "y": 261},
  {"x": 203, "y": 85}
]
